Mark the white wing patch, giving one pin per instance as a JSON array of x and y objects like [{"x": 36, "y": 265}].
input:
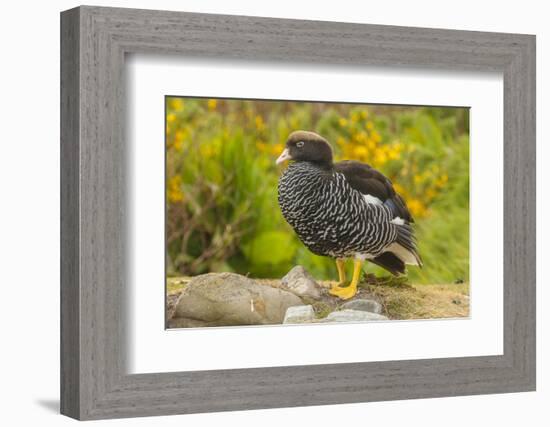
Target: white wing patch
[
  {"x": 397, "y": 220},
  {"x": 372, "y": 200}
]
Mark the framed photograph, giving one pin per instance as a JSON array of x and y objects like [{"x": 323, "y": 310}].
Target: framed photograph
[
  {"x": 227, "y": 247},
  {"x": 262, "y": 213}
]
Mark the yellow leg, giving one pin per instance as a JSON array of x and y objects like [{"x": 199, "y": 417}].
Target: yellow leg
[
  {"x": 341, "y": 266},
  {"x": 349, "y": 291}
]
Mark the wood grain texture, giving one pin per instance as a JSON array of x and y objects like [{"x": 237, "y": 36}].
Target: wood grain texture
[
  {"x": 94, "y": 382},
  {"x": 70, "y": 292}
]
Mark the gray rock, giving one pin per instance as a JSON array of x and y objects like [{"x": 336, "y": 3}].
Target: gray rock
[
  {"x": 226, "y": 299},
  {"x": 300, "y": 282},
  {"x": 299, "y": 314},
  {"x": 363, "y": 305},
  {"x": 353, "y": 316},
  {"x": 171, "y": 301}
]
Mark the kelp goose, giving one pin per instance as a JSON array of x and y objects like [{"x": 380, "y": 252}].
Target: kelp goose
[{"x": 344, "y": 210}]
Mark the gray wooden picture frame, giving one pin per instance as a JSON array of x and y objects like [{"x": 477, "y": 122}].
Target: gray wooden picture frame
[{"x": 94, "y": 41}]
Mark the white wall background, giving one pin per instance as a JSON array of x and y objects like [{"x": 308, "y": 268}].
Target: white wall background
[{"x": 29, "y": 212}]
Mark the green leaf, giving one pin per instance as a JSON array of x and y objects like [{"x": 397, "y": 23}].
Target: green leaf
[{"x": 270, "y": 247}]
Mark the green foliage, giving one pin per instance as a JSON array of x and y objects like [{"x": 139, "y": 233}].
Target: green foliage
[
  {"x": 222, "y": 211},
  {"x": 269, "y": 250}
]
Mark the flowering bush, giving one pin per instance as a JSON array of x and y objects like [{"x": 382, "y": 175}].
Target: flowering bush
[{"x": 221, "y": 181}]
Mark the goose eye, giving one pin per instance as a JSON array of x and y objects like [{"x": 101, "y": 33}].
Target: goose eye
[{"x": 300, "y": 144}]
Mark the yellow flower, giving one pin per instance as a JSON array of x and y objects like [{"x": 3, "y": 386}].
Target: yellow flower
[
  {"x": 360, "y": 137},
  {"x": 179, "y": 138},
  {"x": 342, "y": 122},
  {"x": 369, "y": 125},
  {"x": 177, "y": 104},
  {"x": 416, "y": 207},
  {"x": 380, "y": 158},
  {"x": 354, "y": 117},
  {"x": 277, "y": 149},
  {"x": 174, "y": 189},
  {"x": 212, "y": 104},
  {"x": 360, "y": 151},
  {"x": 364, "y": 114},
  {"x": 375, "y": 136},
  {"x": 170, "y": 117},
  {"x": 393, "y": 154},
  {"x": 442, "y": 180},
  {"x": 340, "y": 141}
]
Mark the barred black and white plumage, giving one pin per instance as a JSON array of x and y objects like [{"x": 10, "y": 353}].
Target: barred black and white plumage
[{"x": 344, "y": 210}]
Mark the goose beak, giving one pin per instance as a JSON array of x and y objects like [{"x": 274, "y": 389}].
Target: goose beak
[{"x": 285, "y": 155}]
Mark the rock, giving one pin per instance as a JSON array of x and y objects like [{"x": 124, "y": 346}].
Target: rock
[
  {"x": 228, "y": 299},
  {"x": 363, "y": 305},
  {"x": 299, "y": 314},
  {"x": 300, "y": 282},
  {"x": 353, "y": 316},
  {"x": 171, "y": 301}
]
